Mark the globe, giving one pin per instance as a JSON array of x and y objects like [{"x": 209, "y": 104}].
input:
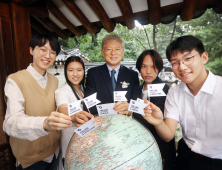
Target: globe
[{"x": 119, "y": 143}]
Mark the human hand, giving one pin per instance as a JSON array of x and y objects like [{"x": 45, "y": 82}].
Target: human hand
[
  {"x": 57, "y": 121},
  {"x": 121, "y": 107},
  {"x": 153, "y": 114},
  {"x": 81, "y": 117}
]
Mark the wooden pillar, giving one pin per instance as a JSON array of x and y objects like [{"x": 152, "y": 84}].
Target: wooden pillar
[
  {"x": 21, "y": 27},
  {"x": 15, "y": 34}
]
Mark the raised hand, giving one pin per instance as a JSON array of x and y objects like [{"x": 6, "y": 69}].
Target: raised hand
[
  {"x": 57, "y": 121},
  {"x": 153, "y": 114},
  {"x": 81, "y": 117}
]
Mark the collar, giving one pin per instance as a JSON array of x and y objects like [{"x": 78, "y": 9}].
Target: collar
[
  {"x": 157, "y": 80},
  {"x": 35, "y": 74},
  {"x": 208, "y": 86},
  {"x": 110, "y": 69}
]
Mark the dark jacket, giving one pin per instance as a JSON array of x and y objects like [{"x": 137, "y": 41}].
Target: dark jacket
[
  {"x": 167, "y": 149},
  {"x": 99, "y": 80}
]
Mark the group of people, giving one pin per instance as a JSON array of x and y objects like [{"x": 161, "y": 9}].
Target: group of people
[{"x": 40, "y": 129}]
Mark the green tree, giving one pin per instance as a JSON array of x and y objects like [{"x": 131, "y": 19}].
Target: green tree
[{"x": 207, "y": 28}]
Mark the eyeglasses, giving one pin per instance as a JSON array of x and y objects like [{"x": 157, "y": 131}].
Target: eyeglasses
[
  {"x": 187, "y": 59},
  {"x": 44, "y": 51}
]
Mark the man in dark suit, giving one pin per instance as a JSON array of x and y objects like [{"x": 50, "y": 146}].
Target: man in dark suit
[{"x": 112, "y": 76}]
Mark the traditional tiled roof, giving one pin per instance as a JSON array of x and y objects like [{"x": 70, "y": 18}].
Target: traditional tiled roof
[{"x": 64, "y": 54}]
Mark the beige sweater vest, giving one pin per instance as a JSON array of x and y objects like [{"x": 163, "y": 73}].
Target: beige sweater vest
[{"x": 38, "y": 102}]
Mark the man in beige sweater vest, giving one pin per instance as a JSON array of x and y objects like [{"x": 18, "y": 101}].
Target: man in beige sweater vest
[{"x": 31, "y": 120}]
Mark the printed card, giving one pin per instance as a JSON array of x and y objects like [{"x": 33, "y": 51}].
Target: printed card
[
  {"x": 86, "y": 128},
  {"x": 91, "y": 100},
  {"x": 74, "y": 107},
  {"x": 137, "y": 107},
  {"x": 119, "y": 96},
  {"x": 156, "y": 90},
  {"x": 140, "y": 100},
  {"x": 106, "y": 109}
]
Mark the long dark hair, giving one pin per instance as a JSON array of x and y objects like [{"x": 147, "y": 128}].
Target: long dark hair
[
  {"x": 157, "y": 60},
  {"x": 74, "y": 59}
]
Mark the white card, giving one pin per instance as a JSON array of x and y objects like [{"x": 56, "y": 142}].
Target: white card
[
  {"x": 119, "y": 96},
  {"x": 106, "y": 109},
  {"x": 86, "y": 128},
  {"x": 140, "y": 100},
  {"x": 155, "y": 90},
  {"x": 74, "y": 107},
  {"x": 137, "y": 107},
  {"x": 91, "y": 100}
]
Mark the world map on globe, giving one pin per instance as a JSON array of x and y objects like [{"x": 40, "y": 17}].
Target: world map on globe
[{"x": 118, "y": 143}]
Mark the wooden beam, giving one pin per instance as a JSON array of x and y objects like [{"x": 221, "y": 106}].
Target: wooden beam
[
  {"x": 39, "y": 11},
  {"x": 51, "y": 25},
  {"x": 154, "y": 11},
  {"x": 22, "y": 35},
  {"x": 127, "y": 13},
  {"x": 101, "y": 13},
  {"x": 24, "y": 2},
  {"x": 219, "y": 11},
  {"x": 40, "y": 28},
  {"x": 59, "y": 15},
  {"x": 34, "y": 31},
  {"x": 188, "y": 10},
  {"x": 80, "y": 15}
]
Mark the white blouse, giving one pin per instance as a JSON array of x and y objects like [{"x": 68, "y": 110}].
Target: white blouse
[{"x": 65, "y": 95}]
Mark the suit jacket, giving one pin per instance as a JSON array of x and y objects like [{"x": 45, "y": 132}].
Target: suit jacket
[
  {"x": 167, "y": 149},
  {"x": 99, "y": 80}
]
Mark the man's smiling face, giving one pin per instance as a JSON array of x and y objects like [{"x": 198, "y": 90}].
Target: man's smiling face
[{"x": 113, "y": 53}]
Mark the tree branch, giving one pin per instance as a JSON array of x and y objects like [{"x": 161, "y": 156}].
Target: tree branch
[
  {"x": 76, "y": 40},
  {"x": 174, "y": 28},
  {"x": 138, "y": 40},
  {"x": 154, "y": 37},
  {"x": 146, "y": 36}
]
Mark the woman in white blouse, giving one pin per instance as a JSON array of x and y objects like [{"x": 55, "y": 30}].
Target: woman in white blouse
[{"x": 70, "y": 92}]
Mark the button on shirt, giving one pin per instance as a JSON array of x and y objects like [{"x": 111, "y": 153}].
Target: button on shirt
[
  {"x": 200, "y": 116},
  {"x": 116, "y": 69},
  {"x": 17, "y": 123}
]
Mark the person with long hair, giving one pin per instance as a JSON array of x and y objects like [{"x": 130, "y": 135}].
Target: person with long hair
[
  {"x": 150, "y": 64},
  {"x": 70, "y": 92}
]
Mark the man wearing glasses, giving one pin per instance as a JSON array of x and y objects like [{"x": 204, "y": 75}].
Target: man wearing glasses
[
  {"x": 31, "y": 120},
  {"x": 195, "y": 104}
]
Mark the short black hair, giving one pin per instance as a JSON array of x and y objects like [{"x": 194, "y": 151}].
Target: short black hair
[
  {"x": 184, "y": 43},
  {"x": 41, "y": 39},
  {"x": 74, "y": 59},
  {"x": 157, "y": 60}
]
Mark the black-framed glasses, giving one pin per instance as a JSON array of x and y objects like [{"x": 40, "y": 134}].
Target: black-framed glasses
[{"x": 187, "y": 59}]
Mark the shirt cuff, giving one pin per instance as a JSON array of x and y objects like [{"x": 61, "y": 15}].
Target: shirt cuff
[{"x": 41, "y": 129}]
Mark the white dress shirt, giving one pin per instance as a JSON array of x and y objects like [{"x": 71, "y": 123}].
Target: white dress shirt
[
  {"x": 65, "y": 95},
  {"x": 17, "y": 123},
  {"x": 200, "y": 116}
]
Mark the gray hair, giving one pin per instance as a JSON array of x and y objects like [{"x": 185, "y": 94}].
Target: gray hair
[{"x": 112, "y": 37}]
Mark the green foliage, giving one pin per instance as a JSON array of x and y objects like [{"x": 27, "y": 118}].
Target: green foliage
[{"x": 207, "y": 28}]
